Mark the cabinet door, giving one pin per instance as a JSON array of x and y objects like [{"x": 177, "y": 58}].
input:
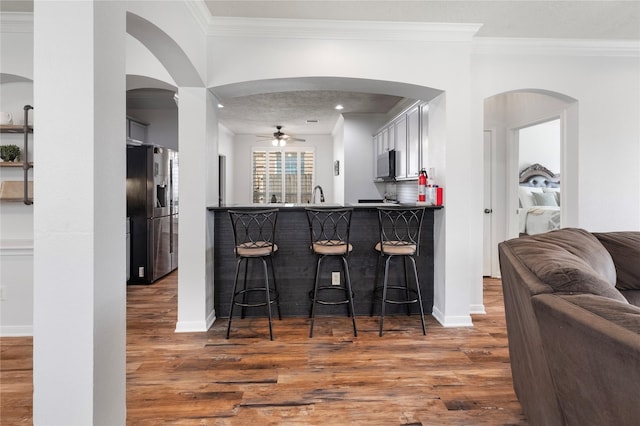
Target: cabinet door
[
  {"x": 136, "y": 131},
  {"x": 385, "y": 139},
  {"x": 413, "y": 143},
  {"x": 400, "y": 126},
  {"x": 424, "y": 135}
]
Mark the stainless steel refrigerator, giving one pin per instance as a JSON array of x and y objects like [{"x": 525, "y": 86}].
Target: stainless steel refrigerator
[{"x": 152, "y": 205}]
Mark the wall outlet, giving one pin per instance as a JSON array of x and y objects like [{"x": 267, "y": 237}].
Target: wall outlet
[
  {"x": 141, "y": 272},
  {"x": 335, "y": 278}
]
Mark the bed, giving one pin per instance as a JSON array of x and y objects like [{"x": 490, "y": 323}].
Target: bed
[{"x": 539, "y": 195}]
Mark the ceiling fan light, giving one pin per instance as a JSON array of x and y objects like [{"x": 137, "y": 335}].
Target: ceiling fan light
[
  {"x": 274, "y": 142},
  {"x": 283, "y": 142}
]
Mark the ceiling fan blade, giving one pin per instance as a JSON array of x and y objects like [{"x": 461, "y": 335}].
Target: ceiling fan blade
[{"x": 297, "y": 139}]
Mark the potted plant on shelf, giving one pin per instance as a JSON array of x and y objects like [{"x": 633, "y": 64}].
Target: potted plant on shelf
[{"x": 9, "y": 152}]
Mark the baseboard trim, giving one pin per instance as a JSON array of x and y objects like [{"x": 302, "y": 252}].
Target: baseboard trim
[
  {"x": 196, "y": 326},
  {"x": 16, "y": 331},
  {"x": 477, "y": 309},
  {"x": 451, "y": 321}
]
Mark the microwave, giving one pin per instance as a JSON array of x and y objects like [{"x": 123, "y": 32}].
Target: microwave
[{"x": 386, "y": 169}]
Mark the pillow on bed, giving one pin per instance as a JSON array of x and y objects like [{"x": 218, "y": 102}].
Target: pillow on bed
[
  {"x": 526, "y": 195},
  {"x": 545, "y": 199},
  {"x": 556, "y": 191}
]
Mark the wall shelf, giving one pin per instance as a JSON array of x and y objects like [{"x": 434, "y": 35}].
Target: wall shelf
[
  {"x": 9, "y": 189},
  {"x": 14, "y": 164},
  {"x": 14, "y": 128}
]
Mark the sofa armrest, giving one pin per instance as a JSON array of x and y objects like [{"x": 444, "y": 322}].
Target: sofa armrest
[
  {"x": 531, "y": 376},
  {"x": 593, "y": 352}
]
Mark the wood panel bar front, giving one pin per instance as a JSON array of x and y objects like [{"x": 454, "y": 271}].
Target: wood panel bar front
[{"x": 294, "y": 264}]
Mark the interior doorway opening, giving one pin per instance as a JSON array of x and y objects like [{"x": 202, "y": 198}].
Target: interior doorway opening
[{"x": 505, "y": 115}]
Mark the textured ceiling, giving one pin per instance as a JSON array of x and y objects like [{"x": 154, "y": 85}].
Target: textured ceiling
[{"x": 261, "y": 113}]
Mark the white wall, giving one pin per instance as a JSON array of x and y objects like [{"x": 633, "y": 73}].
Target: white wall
[
  {"x": 140, "y": 61},
  {"x": 338, "y": 155},
  {"x": 225, "y": 147},
  {"x": 357, "y": 165},
  {"x": 540, "y": 144},
  {"x": 603, "y": 79},
  {"x": 242, "y": 168},
  {"x": 16, "y": 44}
]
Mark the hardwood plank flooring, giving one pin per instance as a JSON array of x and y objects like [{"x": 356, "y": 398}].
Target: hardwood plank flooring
[{"x": 452, "y": 376}]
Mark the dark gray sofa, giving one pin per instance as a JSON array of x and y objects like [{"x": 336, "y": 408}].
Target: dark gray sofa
[{"x": 572, "y": 305}]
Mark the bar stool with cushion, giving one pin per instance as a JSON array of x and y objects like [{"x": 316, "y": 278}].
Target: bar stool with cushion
[
  {"x": 254, "y": 237},
  {"x": 329, "y": 229},
  {"x": 399, "y": 239}
]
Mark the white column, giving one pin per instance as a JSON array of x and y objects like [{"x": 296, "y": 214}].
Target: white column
[
  {"x": 79, "y": 356},
  {"x": 197, "y": 139}
]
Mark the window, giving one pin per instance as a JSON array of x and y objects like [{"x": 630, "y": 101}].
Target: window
[{"x": 283, "y": 175}]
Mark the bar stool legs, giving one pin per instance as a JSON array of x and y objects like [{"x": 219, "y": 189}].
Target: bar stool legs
[
  {"x": 254, "y": 235},
  {"x": 408, "y": 300},
  {"x": 399, "y": 238},
  {"x": 347, "y": 289},
  {"x": 329, "y": 237},
  {"x": 269, "y": 299}
]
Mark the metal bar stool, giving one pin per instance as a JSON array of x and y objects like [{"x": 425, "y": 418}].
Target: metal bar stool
[
  {"x": 254, "y": 237},
  {"x": 329, "y": 230},
  {"x": 399, "y": 238}
]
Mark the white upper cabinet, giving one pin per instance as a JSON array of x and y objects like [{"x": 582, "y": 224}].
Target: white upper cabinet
[
  {"x": 413, "y": 142},
  {"x": 136, "y": 131},
  {"x": 400, "y": 125},
  {"x": 405, "y": 135}
]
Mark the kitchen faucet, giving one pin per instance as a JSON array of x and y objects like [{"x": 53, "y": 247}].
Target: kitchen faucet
[{"x": 313, "y": 196}]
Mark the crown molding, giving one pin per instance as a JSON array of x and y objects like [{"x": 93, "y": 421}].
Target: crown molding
[
  {"x": 556, "y": 47},
  {"x": 16, "y": 22},
  {"x": 340, "y": 30},
  {"x": 200, "y": 13}
]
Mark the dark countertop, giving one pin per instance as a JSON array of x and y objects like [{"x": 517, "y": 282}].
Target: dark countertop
[{"x": 301, "y": 206}]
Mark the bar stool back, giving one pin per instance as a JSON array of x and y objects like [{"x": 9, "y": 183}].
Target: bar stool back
[
  {"x": 329, "y": 230},
  {"x": 254, "y": 237},
  {"x": 399, "y": 237}
]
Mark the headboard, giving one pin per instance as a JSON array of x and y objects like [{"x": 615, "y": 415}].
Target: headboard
[{"x": 539, "y": 176}]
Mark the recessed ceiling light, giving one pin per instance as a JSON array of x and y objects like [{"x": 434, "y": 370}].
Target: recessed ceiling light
[
  {"x": 220, "y": 106},
  {"x": 339, "y": 107}
]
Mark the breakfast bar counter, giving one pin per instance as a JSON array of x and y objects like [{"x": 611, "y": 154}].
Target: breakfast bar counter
[{"x": 294, "y": 263}]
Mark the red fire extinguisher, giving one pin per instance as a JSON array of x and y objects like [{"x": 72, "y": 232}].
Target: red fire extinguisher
[{"x": 422, "y": 186}]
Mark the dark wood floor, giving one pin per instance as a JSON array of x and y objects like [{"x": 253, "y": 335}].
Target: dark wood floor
[{"x": 452, "y": 376}]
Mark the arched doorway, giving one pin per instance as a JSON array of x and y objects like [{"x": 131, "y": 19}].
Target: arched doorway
[{"x": 504, "y": 115}]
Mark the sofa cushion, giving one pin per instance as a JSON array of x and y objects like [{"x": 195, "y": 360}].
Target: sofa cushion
[
  {"x": 624, "y": 248},
  {"x": 569, "y": 260},
  {"x": 632, "y": 296},
  {"x": 624, "y": 315}
]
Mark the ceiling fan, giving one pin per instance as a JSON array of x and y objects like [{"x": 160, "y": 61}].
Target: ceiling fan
[{"x": 280, "y": 138}]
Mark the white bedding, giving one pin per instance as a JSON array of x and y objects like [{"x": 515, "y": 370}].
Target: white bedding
[{"x": 539, "y": 219}]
